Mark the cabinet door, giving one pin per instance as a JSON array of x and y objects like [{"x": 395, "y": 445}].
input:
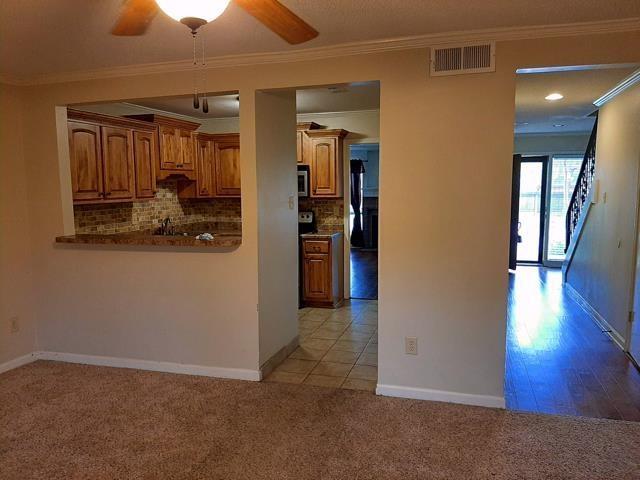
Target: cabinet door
[
  {"x": 205, "y": 180},
  {"x": 169, "y": 150},
  {"x": 227, "y": 168},
  {"x": 317, "y": 277},
  {"x": 86, "y": 161},
  {"x": 117, "y": 163},
  {"x": 324, "y": 167},
  {"x": 145, "y": 152},
  {"x": 300, "y": 145},
  {"x": 187, "y": 150}
]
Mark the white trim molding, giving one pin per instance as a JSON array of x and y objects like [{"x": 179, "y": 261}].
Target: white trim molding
[
  {"x": 598, "y": 319},
  {"x": 340, "y": 50},
  {"x": 150, "y": 365},
  {"x": 628, "y": 82},
  {"x": 440, "y": 396},
  {"x": 17, "y": 362}
]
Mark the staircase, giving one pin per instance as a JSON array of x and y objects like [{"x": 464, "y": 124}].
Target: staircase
[{"x": 581, "y": 193}]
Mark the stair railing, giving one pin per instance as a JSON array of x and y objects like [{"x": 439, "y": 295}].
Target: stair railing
[{"x": 583, "y": 186}]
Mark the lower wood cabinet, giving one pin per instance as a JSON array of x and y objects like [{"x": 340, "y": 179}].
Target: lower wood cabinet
[
  {"x": 322, "y": 270},
  {"x": 112, "y": 159}
]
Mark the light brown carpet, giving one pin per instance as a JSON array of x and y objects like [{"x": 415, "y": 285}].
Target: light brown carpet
[{"x": 62, "y": 421}]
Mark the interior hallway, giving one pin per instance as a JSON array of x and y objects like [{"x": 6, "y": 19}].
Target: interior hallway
[
  {"x": 558, "y": 360},
  {"x": 338, "y": 348}
]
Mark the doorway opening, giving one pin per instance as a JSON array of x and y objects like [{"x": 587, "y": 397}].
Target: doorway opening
[
  {"x": 559, "y": 358},
  {"x": 363, "y": 220},
  {"x": 338, "y": 335}
]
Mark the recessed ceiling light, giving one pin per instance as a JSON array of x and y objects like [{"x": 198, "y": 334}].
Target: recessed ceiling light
[
  {"x": 559, "y": 125},
  {"x": 552, "y": 97}
]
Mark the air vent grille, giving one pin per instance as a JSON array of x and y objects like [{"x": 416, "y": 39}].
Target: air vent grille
[{"x": 460, "y": 59}]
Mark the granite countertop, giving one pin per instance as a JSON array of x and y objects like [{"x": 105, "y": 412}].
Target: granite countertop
[
  {"x": 222, "y": 239},
  {"x": 320, "y": 235}
]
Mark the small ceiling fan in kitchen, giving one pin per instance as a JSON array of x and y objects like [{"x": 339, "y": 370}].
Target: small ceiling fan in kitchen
[{"x": 136, "y": 16}]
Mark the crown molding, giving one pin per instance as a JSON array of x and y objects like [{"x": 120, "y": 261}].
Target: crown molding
[
  {"x": 628, "y": 82},
  {"x": 340, "y": 50}
]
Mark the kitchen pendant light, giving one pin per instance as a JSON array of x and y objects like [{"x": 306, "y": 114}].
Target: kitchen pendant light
[{"x": 193, "y": 13}]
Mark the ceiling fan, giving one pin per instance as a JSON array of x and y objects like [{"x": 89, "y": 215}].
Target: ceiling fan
[{"x": 136, "y": 16}]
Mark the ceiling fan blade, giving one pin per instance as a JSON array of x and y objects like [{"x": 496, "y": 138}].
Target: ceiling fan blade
[
  {"x": 135, "y": 17},
  {"x": 280, "y": 20}
]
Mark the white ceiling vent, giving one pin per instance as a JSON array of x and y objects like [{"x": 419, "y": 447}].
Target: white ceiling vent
[{"x": 467, "y": 58}]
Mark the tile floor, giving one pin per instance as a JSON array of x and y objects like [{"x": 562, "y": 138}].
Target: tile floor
[{"x": 338, "y": 348}]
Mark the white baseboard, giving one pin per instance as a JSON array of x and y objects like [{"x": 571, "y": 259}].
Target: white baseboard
[
  {"x": 17, "y": 362},
  {"x": 595, "y": 316},
  {"x": 440, "y": 396},
  {"x": 167, "y": 367}
]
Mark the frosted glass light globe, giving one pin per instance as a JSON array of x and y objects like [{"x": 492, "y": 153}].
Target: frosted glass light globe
[{"x": 206, "y": 10}]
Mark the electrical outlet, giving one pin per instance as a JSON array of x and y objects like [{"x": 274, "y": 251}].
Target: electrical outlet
[
  {"x": 14, "y": 324},
  {"x": 411, "y": 345}
]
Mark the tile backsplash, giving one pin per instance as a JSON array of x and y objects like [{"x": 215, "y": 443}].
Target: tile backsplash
[
  {"x": 143, "y": 215},
  {"x": 329, "y": 212}
]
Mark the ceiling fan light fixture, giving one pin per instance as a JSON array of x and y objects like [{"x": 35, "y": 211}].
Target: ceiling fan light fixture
[{"x": 193, "y": 13}]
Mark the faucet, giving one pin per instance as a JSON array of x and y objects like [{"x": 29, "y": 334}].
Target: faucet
[{"x": 165, "y": 227}]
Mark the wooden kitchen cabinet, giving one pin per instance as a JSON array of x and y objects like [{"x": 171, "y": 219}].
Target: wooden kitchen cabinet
[
  {"x": 205, "y": 164},
  {"x": 177, "y": 144},
  {"x": 117, "y": 154},
  {"x": 217, "y": 167},
  {"x": 145, "y": 154},
  {"x": 326, "y": 166},
  {"x": 304, "y": 142},
  {"x": 227, "y": 166},
  {"x": 85, "y": 155},
  {"x": 322, "y": 270},
  {"x": 111, "y": 158}
]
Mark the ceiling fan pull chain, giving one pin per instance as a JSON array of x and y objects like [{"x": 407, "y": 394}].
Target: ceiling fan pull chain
[
  {"x": 205, "y": 101},
  {"x": 196, "y": 99}
]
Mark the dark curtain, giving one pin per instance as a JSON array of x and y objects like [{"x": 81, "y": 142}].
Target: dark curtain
[{"x": 357, "y": 169}]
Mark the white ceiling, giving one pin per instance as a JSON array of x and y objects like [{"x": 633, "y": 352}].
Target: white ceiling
[
  {"x": 534, "y": 114},
  {"x": 54, "y": 36},
  {"x": 339, "y": 98}
]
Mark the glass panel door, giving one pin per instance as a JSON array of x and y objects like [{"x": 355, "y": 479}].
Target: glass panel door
[
  {"x": 532, "y": 208},
  {"x": 564, "y": 174}
]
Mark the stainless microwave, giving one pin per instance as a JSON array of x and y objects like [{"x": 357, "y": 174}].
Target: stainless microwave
[{"x": 303, "y": 180}]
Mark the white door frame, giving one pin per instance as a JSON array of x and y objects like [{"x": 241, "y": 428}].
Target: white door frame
[{"x": 346, "y": 155}]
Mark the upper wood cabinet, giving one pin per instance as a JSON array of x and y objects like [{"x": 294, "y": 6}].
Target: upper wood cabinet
[
  {"x": 205, "y": 164},
  {"x": 218, "y": 167},
  {"x": 304, "y": 142},
  {"x": 112, "y": 159},
  {"x": 227, "y": 166},
  {"x": 85, "y": 154},
  {"x": 117, "y": 154},
  {"x": 177, "y": 145},
  {"x": 145, "y": 153},
  {"x": 326, "y": 166}
]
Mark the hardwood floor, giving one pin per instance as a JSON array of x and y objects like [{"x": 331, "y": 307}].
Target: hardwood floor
[
  {"x": 364, "y": 274},
  {"x": 558, "y": 359}
]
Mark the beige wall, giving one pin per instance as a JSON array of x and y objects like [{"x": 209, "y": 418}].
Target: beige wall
[
  {"x": 603, "y": 263},
  {"x": 15, "y": 253},
  {"x": 277, "y": 220},
  {"x": 442, "y": 259}
]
